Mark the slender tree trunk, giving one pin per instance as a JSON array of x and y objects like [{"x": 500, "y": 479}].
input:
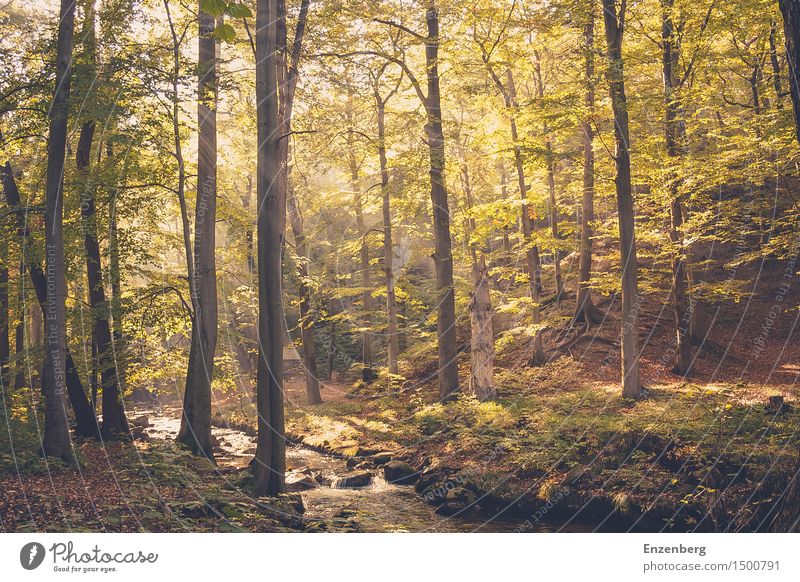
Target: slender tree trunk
[
  {"x": 85, "y": 420},
  {"x": 675, "y": 139},
  {"x": 270, "y": 462},
  {"x": 776, "y": 66},
  {"x": 551, "y": 186},
  {"x": 532, "y": 263},
  {"x": 614, "y": 25},
  {"x": 585, "y": 310},
  {"x": 791, "y": 26},
  {"x": 195, "y": 430},
  {"x": 56, "y": 440},
  {"x": 119, "y": 343},
  {"x": 5, "y": 343},
  {"x": 114, "y": 421},
  {"x": 306, "y": 317},
  {"x": 287, "y": 75},
  {"x": 19, "y": 335},
  {"x": 388, "y": 250},
  {"x": 443, "y": 255},
  {"x": 481, "y": 381}
]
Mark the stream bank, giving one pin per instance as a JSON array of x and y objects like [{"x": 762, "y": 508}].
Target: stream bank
[{"x": 351, "y": 494}]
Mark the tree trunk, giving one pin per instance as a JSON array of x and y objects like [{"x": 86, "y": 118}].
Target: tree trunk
[
  {"x": 56, "y": 441},
  {"x": 585, "y": 310},
  {"x": 19, "y": 335},
  {"x": 5, "y": 344},
  {"x": 388, "y": 251},
  {"x": 776, "y": 66},
  {"x": 443, "y": 255},
  {"x": 533, "y": 266},
  {"x": 306, "y": 317},
  {"x": 119, "y": 343},
  {"x": 85, "y": 420},
  {"x": 675, "y": 139},
  {"x": 287, "y": 75},
  {"x": 791, "y": 26},
  {"x": 551, "y": 186},
  {"x": 114, "y": 421},
  {"x": 614, "y": 25},
  {"x": 481, "y": 380},
  {"x": 195, "y": 430},
  {"x": 270, "y": 462}
]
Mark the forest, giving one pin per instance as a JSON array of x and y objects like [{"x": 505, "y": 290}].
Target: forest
[{"x": 399, "y": 265}]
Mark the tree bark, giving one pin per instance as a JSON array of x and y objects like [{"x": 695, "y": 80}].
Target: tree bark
[
  {"x": 388, "y": 250},
  {"x": 270, "y": 462},
  {"x": 56, "y": 440},
  {"x": 5, "y": 344},
  {"x": 532, "y": 263},
  {"x": 551, "y": 186},
  {"x": 19, "y": 332},
  {"x": 313, "y": 395},
  {"x": 791, "y": 26},
  {"x": 481, "y": 381},
  {"x": 195, "y": 430},
  {"x": 585, "y": 310},
  {"x": 114, "y": 420},
  {"x": 675, "y": 139},
  {"x": 287, "y": 75},
  {"x": 443, "y": 255},
  {"x": 614, "y": 26}
]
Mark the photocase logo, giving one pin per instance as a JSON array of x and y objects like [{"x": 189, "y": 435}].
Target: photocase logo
[{"x": 31, "y": 555}]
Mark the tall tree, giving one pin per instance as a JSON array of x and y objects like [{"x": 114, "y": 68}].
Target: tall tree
[
  {"x": 270, "y": 462},
  {"x": 195, "y": 430},
  {"x": 675, "y": 139},
  {"x": 585, "y": 309},
  {"x": 114, "y": 420},
  {"x": 288, "y": 62},
  {"x": 56, "y": 441},
  {"x": 392, "y": 343},
  {"x": 533, "y": 268},
  {"x": 791, "y": 26},
  {"x": 615, "y": 26}
]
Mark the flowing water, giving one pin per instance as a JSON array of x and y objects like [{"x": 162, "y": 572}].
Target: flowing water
[{"x": 378, "y": 507}]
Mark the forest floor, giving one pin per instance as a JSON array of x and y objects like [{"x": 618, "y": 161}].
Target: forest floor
[
  {"x": 117, "y": 486},
  {"x": 560, "y": 445},
  {"x": 704, "y": 453}
]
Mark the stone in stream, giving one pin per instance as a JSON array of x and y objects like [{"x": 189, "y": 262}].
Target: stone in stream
[
  {"x": 299, "y": 481},
  {"x": 400, "y": 473},
  {"x": 380, "y": 458},
  {"x": 140, "y": 422},
  {"x": 353, "y": 480}
]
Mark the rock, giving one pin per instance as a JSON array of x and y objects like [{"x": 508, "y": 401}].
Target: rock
[
  {"x": 461, "y": 495},
  {"x": 300, "y": 482},
  {"x": 140, "y": 422},
  {"x": 573, "y": 475},
  {"x": 283, "y": 504},
  {"x": 353, "y": 462},
  {"x": 381, "y": 458},
  {"x": 353, "y": 480},
  {"x": 428, "y": 479},
  {"x": 400, "y": 473},
  {"x": 777, "y": 405},
  {"x": 449, "y": 509}
]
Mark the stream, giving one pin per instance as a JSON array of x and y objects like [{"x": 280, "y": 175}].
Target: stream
[{"x": 378, "y": 507}]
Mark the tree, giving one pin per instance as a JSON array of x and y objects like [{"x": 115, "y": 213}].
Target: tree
[
  {"x": 270, "y": 461},
  {"x": 195, "y": 430},
  {"x": 585, "y": 309},
  {"x": 114, "y": 420},
  {"x": 791, "y": 26},
  {"x": 56, "y": 441},
  {"x": 288, "y": 75},
  {"x": 614, "y": 26}
]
